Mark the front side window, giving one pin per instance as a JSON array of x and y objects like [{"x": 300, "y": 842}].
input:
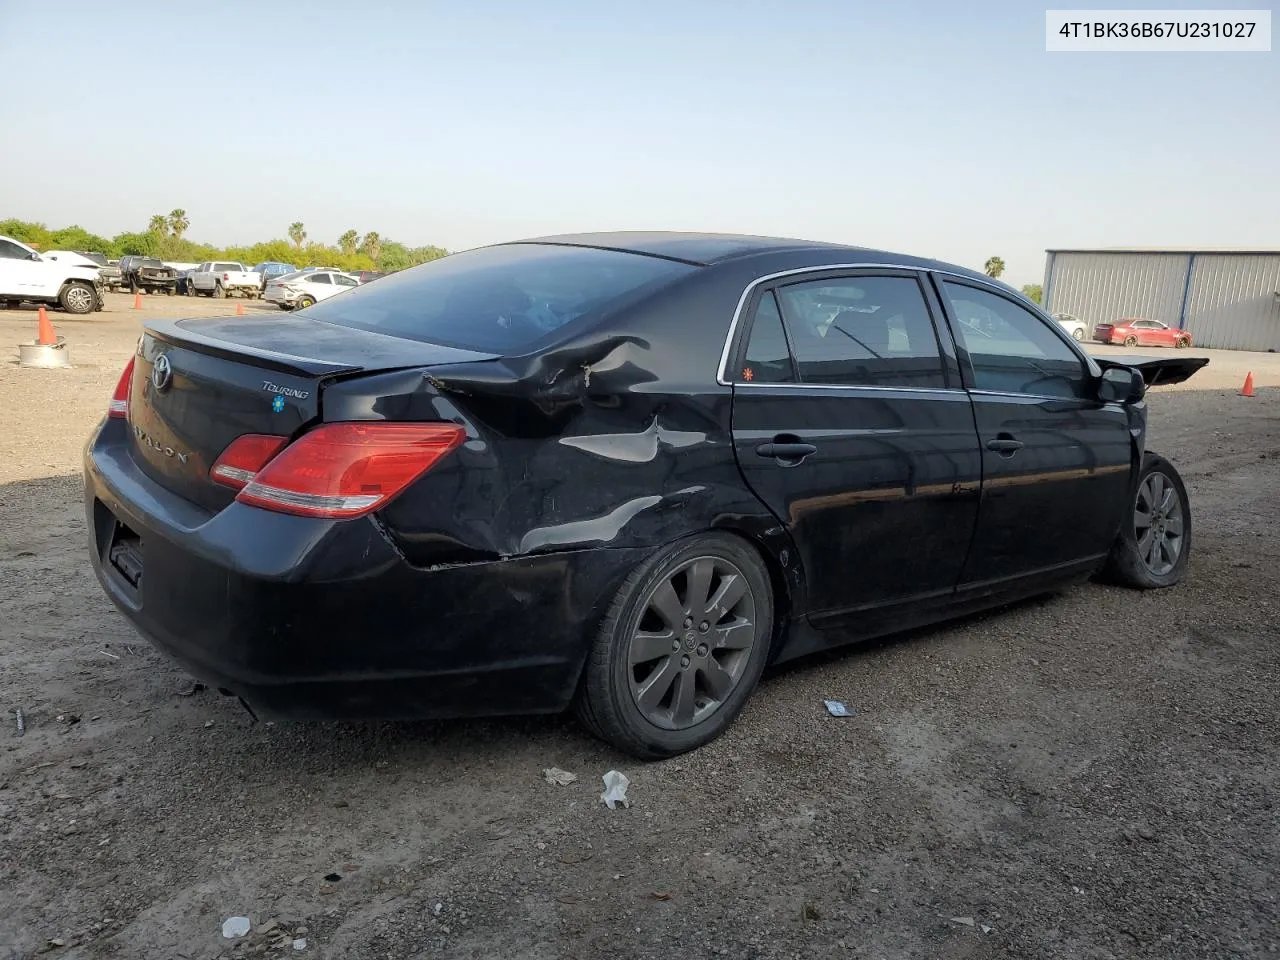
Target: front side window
[
  {"x": 1011, "y": 349},
  {"x": 319, "y": 278},
  {"x": 11, "y": 251},
  {"x": 862, "y": 331}
]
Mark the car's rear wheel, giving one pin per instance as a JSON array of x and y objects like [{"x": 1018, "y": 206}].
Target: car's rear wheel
[
  {"x": 1130, "y": 341},
  {"x": 77, "y": 297},
  {"x": 1154, "y": 544},
  {"x": 218, "y": 292},
  {"x": 304, "y": 302},
  {"x": 681, "y": 648}
]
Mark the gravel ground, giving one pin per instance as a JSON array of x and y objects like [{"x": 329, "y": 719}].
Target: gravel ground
[{"x": 1090, "y": 775}]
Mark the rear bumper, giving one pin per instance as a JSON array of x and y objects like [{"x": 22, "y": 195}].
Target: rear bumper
[{"x": 321, "y": 619}]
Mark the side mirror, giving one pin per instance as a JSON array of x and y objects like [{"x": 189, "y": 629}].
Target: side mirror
[
  {"x": 34, "y": 256},
  {"x": 1121, "y": 385}
]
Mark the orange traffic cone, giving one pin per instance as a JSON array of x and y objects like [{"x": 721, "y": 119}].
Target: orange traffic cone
[
  {"x": 47, "y": 338},
  {"x": 1247, "y": 389},
  {"x": 137, "y": 301},
  {"x": 239, "y": 309}
]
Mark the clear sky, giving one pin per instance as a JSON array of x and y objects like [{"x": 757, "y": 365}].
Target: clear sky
[{"x": 942, "y": 129}]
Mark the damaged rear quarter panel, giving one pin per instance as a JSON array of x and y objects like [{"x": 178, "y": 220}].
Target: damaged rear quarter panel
[{"x": 619, "y": 438}]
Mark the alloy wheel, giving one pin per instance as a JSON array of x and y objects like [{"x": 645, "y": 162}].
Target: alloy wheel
[
  {"x": 692, "y": 643},
  {"x": 79, "y": 300},
  {"x": 1158, "y": 524}
]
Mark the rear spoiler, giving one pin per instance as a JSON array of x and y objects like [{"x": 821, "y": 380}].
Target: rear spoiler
[{"x": 1157, "y": 370}]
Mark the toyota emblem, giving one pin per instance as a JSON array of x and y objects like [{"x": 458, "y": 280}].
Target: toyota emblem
[{"x": 161, "y": 372}]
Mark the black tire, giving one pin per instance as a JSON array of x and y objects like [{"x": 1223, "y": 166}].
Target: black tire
[
  {"x": 606, "y": 703},
  {"x": 1129, "y": 562},
  {"x": 78, "y": 297},
  {"x": 218, "y": 292},
  {"x": 1131, "y": 341}
]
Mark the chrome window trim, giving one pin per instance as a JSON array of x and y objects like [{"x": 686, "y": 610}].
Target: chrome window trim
[{"x": 845, "y": 386}]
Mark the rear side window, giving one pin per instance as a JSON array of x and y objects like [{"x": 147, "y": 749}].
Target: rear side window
[
  {"x": 501, "y": 299},
  {"x": 862, "y": 331},
  {"x": 768, "y": 358}
]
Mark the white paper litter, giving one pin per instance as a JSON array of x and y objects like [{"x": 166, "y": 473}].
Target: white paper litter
[
  {"x": 837, "y": 709},
  {"x": 233, "y": 927},
  {"x": 557, "y": 776},
  {"x": 300, "y": 943},
  {"x": 615, "y": 790}
]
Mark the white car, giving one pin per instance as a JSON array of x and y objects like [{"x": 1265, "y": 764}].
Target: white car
[
  {"x": 302, "y": 289},
  {"x": 26, "y": 275},
  {"x": 1078, "y": 329}
]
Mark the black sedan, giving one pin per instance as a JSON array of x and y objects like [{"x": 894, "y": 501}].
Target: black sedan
[{"x": 618, "y": 472}]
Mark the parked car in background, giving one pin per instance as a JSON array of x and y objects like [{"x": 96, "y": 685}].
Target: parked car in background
[
  {"x": 183, "y": 287},
  {"x": 147, "y": 274},
  {"x": 368, "y": 276},
  {"x": 108, "y": 270},
  {"x": 300, "y": 290},
  {"x": 1137, "y": 332},
  {"x": 1078, "y": 329},
  {"x": 271, "y": 269},
  {"x": 623, "y": 472},
  {"x": 74, "y": 286},
  {"x": 225, "y": 278}
]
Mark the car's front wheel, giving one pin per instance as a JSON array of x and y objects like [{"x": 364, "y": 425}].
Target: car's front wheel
[
  {"x": 1078, "y": 335},
  {"x": 1181, "y": 343},
  {"x": 681, "y": 649},
  {"x": 77, "y": 297},
  {"x": 1154, "y": 544}
]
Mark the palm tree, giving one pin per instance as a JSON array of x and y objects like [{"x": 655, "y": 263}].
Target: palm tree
[
  {"x": 349, "y": 241},
  {"x": 297, "y": 233},
  {"x": 159, "y": 225},
  {"x": 372, "y": 245},
  {"x": 994, "y": 267},
  {"x": 178, "y": 222}
]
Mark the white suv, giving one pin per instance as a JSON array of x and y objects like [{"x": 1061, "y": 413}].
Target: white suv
[{"x": 25, "y": 275}]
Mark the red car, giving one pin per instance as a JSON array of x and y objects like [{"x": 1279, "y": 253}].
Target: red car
[{"x": 1133, "y": 332}]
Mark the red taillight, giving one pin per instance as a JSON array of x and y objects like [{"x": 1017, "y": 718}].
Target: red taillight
[
  {"x": 119, "y": 406},
  {"x": 342, "y": 470},
  {"x": 226, "y": 276},
  {"x": 241, "y": 461}
]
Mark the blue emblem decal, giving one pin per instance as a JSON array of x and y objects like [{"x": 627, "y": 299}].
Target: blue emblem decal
[{"x": 277, "y": 404}]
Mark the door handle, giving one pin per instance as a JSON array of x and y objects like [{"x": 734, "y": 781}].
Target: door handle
[
  {"x": 1005, "y": 445},
  {"x": 786, "y": 450}
]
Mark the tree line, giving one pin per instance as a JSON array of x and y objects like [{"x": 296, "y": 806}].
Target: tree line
[
  {"x": 995, "y": 266},
  {"x": 165, "y": 237}
]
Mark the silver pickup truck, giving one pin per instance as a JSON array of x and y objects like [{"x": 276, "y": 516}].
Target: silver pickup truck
[{"x": 222, "y": 278}]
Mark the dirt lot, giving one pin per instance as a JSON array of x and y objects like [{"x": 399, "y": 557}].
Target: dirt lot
[{"x": 1091, "y": 775}]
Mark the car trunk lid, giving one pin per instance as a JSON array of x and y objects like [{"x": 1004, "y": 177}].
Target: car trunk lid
[{"x": 200, "y": 384}]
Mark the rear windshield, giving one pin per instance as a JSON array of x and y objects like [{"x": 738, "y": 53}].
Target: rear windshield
[
  {"x": 500, "y": 299},
  {"x": 227, "y": 267},
  {"x": 148, "y": 262}
]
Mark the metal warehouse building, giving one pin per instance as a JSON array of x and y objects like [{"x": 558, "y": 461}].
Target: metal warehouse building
[{"x": 1225, "y": 298}]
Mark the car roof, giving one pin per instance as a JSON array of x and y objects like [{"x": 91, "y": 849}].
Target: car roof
[{"x": 706, "y": 249}]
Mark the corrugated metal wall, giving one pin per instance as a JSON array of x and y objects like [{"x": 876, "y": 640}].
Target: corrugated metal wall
[
  {"x": 1102, "y": 287},
  {"x": 1229, "y": 299},
  {"x": 1232, "y": 302}
]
